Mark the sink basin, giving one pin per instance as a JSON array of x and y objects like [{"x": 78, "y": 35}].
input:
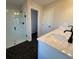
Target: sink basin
[{"x": 59, "y": 37}]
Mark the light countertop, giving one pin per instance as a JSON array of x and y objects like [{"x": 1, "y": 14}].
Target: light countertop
[{"x": 58, "y": 39}]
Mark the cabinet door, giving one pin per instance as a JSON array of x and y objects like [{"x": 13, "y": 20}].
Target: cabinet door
[{"x": 47, "y": 52}]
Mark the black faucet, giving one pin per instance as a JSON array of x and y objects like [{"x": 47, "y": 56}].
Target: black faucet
[{"x": 70, "y": 40}]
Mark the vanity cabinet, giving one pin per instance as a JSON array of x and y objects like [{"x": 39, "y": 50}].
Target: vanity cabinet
[{"x": 47, "y": 52}]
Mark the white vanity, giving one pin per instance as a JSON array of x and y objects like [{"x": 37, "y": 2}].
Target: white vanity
[{"x": 54, "y": 45}]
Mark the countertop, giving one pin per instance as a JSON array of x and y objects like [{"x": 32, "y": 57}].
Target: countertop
[{"x": 58, "y": 39}]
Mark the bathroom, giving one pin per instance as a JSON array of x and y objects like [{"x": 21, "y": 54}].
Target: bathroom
[{"x": 53, "y": 16}]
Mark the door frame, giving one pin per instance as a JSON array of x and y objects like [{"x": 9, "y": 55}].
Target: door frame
[{"x": 37, "y": 21}]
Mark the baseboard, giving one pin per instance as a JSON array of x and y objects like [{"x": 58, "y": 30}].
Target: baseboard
[{"x": 18, "y": 42}]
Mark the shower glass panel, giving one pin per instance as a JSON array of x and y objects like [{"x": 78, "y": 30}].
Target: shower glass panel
[
  {"x": 20, "y": 26},
  {"x": 15, "y": 28}
]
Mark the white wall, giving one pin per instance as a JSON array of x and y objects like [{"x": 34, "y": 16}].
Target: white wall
[
  {"x": 56, "y": 14},
  {"x": 33, "y": 5},
  {"x": 50, "y": 16},
  {"x": 29, "y": 4}
]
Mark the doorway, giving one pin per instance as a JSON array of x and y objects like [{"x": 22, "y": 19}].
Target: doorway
[{"x": 34, "y": 24}]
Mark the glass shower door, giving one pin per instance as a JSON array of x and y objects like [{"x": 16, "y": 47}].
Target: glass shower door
[{"x": 15, "y": 28}]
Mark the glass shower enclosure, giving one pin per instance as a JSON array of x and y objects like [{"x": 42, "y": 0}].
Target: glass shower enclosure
[{"x": 15, "y": 27}]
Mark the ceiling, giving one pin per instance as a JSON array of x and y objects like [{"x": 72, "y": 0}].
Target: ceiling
[
  {"x": 44, "y": 2},
  {"x": 21, "y": 2},
  {"x": 15, "y": 2}
]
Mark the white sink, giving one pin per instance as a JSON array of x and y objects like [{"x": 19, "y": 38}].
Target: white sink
[{"x": 58, "y": 37}]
